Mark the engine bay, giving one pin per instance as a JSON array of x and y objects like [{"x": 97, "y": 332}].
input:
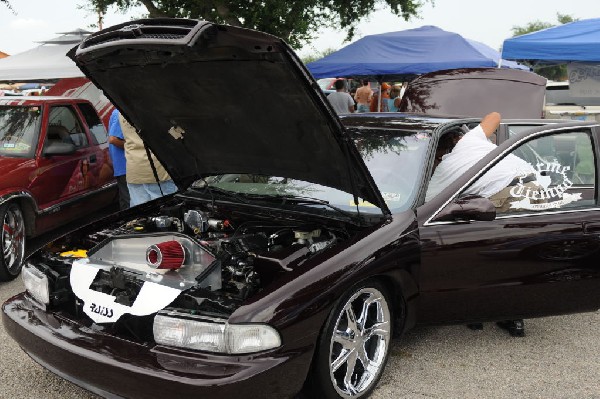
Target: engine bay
[{"x": 187, "y": 256}]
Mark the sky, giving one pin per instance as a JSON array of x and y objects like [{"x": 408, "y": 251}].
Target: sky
[{"x": 489, "y": 22}]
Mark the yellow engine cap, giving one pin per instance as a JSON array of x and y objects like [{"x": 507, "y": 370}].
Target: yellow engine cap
[{"x": 76, "y": 253}]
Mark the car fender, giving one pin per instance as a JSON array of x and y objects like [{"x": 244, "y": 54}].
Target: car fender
[{"x": 304, "y": 297}]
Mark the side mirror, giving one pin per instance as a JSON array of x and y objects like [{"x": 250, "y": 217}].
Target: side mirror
[
  {"x": 58, "y": 148},
  {"x": 469, "y": 207}
]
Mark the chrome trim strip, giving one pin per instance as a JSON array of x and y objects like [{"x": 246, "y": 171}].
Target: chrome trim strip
[
  {"x": 56, "y": 208},
  {"x": 496, "y": 160},
  {"x": 558, "y": 212},
  {"x": 518, "y": 216},
  {"x": 174, "y": 313}
]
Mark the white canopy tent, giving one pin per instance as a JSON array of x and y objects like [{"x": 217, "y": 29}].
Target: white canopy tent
[{"x": 45, "y": 62}]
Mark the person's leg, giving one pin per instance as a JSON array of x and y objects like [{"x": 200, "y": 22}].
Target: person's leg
[
  {"x": 503, "y": 199},
  {"x": 123, "y": 192},
  {"x": 516, "y": 328},
  {"x": 167, "y": 187},
  {"x": 137, "y": 194}
]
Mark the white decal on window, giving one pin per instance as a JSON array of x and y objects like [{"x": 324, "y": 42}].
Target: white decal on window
[{"x": 543, "y": 193}]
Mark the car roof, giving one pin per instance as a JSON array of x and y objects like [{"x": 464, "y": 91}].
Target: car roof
[
  {"x": 395, "y": 120},
  {"x": 38, "y": 100},
  {"x": 399, "y": 120}
]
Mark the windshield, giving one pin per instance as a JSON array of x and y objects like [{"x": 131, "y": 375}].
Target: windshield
[
  {"x": 396, "y": 161},
  {"x": 394, "y": 158},
  {"x": 19, "y": 128}
]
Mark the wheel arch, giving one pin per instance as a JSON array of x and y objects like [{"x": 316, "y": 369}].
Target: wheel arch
[
  {"x": 392, "y": 286},
  {"x": 28, "y": 206}
]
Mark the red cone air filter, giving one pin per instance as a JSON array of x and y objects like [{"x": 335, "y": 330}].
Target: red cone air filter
[{"x": 166, "y": 255}]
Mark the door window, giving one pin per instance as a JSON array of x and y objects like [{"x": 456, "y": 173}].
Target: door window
[
  {"x": 64, "y": 126},
  {"x": 513, "y": 130},
  {"x": 559, "y": 172},
  {"x": 96, "y": 126}
]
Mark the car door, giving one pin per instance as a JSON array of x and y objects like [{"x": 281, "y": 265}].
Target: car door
[
  {"x": 61, "y": 178},
  {"x": 537, "y": 258},
  {"x": 100, "y": 165}
]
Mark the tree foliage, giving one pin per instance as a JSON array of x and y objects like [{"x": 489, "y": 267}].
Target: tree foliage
[
  {"x": 530, "y": 27},
  {"x": 318, "y": 55},
  {"x": 549, "y": 72},
  {"x": 539, "y": 25},
  {"x": 297, "y": 22}
]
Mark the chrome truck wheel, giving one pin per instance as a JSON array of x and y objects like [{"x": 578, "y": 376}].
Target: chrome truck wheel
[{"x": 12, "y": 240}]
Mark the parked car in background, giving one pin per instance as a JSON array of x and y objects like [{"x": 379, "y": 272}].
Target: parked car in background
[
  {"x": 302, "y": 241},
  {"x": 55, "y": 169}
]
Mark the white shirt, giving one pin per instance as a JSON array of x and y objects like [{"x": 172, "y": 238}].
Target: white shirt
[
  {"x": 341, "y": 101},
  {"x": 469, "y": 150}
]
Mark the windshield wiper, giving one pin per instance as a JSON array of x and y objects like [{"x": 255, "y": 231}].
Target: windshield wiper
[
  {"x": 207, "y": 188},
  {"x": 298, "y": 200}
]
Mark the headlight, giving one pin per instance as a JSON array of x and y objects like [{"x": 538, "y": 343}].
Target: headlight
[
  {"x": 215, "y": 337},
  {"x": 36, "y": 283}
]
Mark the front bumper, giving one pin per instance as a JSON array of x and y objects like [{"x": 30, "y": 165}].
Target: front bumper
[{"x": 114, "y": 367}]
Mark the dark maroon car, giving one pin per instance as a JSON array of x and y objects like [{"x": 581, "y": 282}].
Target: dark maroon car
[
  {"x": 302, "y": 243},
  {"x": 55, "y": 169}
]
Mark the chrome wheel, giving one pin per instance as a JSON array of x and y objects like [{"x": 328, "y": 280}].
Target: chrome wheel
[
  {"x": 13, "y": 239},
  {"x": 359, "y": 343}
]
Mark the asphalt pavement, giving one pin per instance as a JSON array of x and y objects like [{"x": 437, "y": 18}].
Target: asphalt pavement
[{"x": 558, "y": 358}]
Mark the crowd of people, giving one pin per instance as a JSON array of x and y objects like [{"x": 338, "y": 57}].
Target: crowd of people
[{"x": 386, "y": 99}]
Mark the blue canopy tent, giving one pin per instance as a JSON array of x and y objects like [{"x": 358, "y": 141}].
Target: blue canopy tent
[
  {"x": 575, "y": 41},
  {"x": 396, "y": 55}
]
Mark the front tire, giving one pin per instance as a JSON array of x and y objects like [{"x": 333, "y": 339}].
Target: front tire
[
  {"x": 354, "y": 345},
  {"x": 12, "y": 241}
]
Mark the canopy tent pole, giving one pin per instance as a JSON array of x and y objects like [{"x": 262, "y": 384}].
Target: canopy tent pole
[
  {"x": 500, "y": 59},
  {"x": 379, "y": 96}
]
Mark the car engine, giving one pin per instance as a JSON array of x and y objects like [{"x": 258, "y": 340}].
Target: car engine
[{"x": 188, "y": 257}]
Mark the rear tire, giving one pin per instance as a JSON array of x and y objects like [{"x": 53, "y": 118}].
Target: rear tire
[
  {"x": 353, "y": 347},
  {"x": 12, "y": 241}
]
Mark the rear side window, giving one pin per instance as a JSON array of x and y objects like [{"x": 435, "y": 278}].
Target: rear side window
[{"x": 96, "y": 126}]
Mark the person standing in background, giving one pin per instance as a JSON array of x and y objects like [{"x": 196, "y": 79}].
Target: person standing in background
[
  {"x": 341, "y": 101},
  {"x": 383, "y": 104},
  {"x": 394, "y": 100},
  {"x": 141, "y": 181},
  {"x": 116, "y": 149},
  {"x": 363, "y": 97}
]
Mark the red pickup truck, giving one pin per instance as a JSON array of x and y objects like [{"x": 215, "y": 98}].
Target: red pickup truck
[{"x": 55, "y": 168}]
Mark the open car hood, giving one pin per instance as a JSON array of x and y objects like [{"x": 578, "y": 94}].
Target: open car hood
[
  {"x": 211, "y": 99},
  {"x": 476, "y": 92}
]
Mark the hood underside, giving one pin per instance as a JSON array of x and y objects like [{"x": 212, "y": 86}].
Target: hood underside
[{"x": 210, "y": 99}]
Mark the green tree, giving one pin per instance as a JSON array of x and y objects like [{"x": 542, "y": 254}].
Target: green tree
[
  {"x": 297, "y": 22},
  {"x": 554, "y": 72},
  {"x": 318, "y": 55}
]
